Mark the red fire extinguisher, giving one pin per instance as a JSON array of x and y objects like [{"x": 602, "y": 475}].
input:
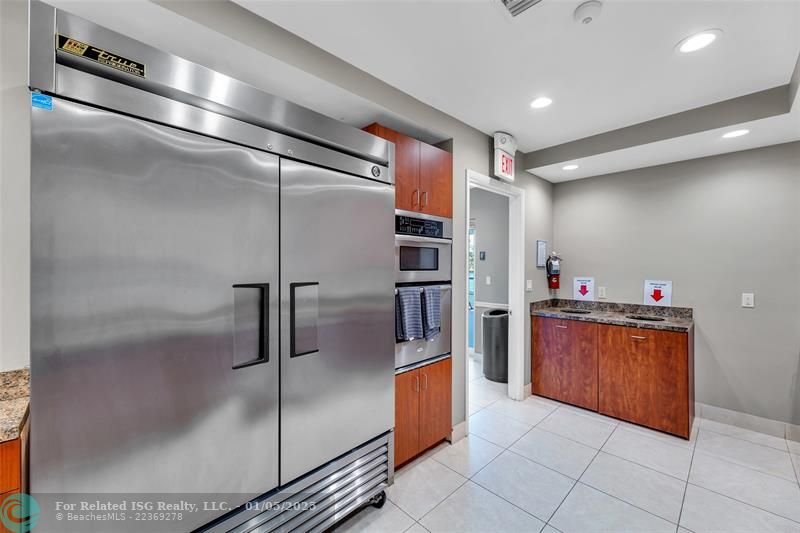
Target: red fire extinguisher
[{"x": 553, "y": 271}]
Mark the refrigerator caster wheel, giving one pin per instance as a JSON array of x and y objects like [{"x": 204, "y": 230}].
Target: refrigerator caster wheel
[{"x": 378, "y": 500}]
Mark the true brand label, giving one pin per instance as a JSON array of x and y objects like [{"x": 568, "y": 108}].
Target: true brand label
[{"x": 98, "y": 55}]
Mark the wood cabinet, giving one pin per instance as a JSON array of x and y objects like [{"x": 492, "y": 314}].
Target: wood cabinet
[
  {"x": 423, "y": 174},
  {"x": 564, "y": 365},
  {"x": 10, "y": 465},
  {"x": 406, "y": 416},
  {"x": 646, "y": 377},
  {"x": 423, "y": 403}
]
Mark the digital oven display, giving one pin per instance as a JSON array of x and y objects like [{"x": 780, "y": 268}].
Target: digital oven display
[{"x": 417, "y": 226}]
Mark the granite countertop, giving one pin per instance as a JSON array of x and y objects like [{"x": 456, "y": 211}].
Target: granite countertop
[
  {"x": 675, "y": 318},
  {"x": 14, "y": 397}
]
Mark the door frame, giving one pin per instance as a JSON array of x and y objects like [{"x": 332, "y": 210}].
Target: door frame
[{"x": 516, "y": 279}]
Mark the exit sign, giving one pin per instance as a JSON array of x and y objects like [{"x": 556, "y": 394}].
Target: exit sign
[{"x": 503, "y": 165}]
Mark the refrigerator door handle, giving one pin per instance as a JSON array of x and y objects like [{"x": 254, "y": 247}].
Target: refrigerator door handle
[
  {"x": 303, "y": 318},
  {"x": 250, "y": 324}
]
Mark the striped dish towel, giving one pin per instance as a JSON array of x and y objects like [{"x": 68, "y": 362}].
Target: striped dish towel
[
  {"x": 410, "y": 302},
  {"x": 432, "y": 312}
]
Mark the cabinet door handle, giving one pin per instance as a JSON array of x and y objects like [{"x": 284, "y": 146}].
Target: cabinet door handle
[
  {"x": 415, "y": 198},
  {"x": 561, "y": 327},
  {"x": 638, "y": 338},
  {"x": 416, "y": 383},
  {"x": 425, "y": 383},
  {"x": 424, "y": 198}
]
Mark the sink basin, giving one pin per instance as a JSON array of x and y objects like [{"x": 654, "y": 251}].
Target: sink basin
[
  {"x": 576, "y": 311},
  {"x": 646, "y": 317}
]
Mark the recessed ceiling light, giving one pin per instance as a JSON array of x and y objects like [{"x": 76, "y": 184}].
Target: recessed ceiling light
[
  {"x": 697, "y": 41},
  {"x": 735, "y": 133},
  {"x": 569, "y": 167},
  {"x": 541, "y": 102}
]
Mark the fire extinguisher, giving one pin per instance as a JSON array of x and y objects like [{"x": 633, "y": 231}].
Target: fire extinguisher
[{"x": 553, "y": 271}]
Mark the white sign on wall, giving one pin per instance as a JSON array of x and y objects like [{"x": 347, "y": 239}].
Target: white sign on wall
[
  {"x": 657, "y": 292},
  {"x": 583, "y": 289}
]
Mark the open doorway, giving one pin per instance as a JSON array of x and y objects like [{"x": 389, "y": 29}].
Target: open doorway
[
  {"x": 507, "y": 289},
  {"x": 488, "y": 292}
]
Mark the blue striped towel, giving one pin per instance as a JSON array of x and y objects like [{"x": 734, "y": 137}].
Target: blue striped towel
[
  {"x": 410, "y": 309},
  {"x": 432, "y": 312}
]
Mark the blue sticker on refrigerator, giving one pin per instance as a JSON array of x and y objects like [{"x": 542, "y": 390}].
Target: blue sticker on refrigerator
[{"x": 42, "y": 101}]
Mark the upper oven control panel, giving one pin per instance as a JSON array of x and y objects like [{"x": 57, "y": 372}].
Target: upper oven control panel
[{"x": 421, "y": 225}]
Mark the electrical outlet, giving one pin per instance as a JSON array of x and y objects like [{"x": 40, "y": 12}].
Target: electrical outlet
[
  {"x": 528, "y": 285},
  {"x": 748, "y": 299},
  {"x": 601, "y": 292},
  {"x": 488, "y": 280}
]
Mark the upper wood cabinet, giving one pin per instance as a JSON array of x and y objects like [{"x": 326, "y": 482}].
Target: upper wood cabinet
[
  {"x": 423, "y": 174},
  {"x": 564, "y": 365},
  {"x": 646, "y": 377},
  {"x": 422, "y": 409}
]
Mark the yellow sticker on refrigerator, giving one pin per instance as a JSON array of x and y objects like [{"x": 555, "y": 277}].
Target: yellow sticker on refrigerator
[{"x": 99, "y": 55}]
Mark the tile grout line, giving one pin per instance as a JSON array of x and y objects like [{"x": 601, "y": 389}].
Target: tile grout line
[
  {"x": 688, "y": 474},
  {"x": 773, "y": 513},
  {"x": 578, "y": 480},
  {"x": 750, "y": 441},
  {"x": 725, "y": 460}
]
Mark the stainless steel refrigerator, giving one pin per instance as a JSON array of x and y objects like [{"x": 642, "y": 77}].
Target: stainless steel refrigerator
[{"x": 211, "y": 289}]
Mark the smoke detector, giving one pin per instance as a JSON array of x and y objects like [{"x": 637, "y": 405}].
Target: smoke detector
[
  {"x": 587, "y": 12},
  {"x": 515, "y": 7}
]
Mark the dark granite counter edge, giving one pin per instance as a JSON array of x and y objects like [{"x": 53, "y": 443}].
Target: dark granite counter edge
[
  {"x": 684, "y": 313},
  {"x": 613, "y": 321}
]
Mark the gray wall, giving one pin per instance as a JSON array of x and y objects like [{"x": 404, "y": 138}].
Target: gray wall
[
  {"x": 14, "y": 186},
  {"x": 716, "y": 227},
  {"x": 538, "y": 226},
  {"x": 488, "y": 213}
]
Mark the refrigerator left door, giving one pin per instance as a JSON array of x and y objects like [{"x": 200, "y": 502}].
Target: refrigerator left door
[{"x": 154, "y": 313}]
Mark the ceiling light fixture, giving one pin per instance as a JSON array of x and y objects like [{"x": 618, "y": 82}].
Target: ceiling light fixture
[
  {"x": 541, "y": 102},
  {"x": 698, "y": 41},
  {"x": 569, "y": 167},
  {"x": 735, "y": 133}
]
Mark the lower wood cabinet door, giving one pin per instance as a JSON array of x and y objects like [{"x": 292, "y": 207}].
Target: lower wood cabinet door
[
  {"x": 564, "y": 365},
  {"x": 645, "y": 377},
  {"x": 435, "y": 406},
  {"x": 406, "y": 416}
]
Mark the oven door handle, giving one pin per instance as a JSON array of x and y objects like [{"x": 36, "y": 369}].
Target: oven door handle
[{"x": 412, "y": 238}]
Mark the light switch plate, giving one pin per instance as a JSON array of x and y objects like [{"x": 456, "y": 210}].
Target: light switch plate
[
  {"x": 528, "y": 285},
  {"x": 488, "y": 280},
  {"x": 601, "y": 292},
  {"x": 748, "y": 299}
]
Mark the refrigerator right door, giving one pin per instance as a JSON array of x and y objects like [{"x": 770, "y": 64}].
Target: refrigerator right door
[{"x": 337, "y": 314}]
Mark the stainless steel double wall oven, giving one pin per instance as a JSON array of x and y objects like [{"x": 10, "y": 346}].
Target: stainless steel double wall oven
[
  {"x": 200, "y": 326},
  {"x": 423, "y": 258}
]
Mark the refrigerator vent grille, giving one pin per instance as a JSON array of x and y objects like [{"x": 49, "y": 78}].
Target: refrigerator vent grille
[{"x": 317, "y": 501}]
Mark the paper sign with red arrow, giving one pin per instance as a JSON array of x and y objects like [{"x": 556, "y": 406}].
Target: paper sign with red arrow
[
  {"x": 657, "y": 292},
  {"x": 583, "y": 289}
]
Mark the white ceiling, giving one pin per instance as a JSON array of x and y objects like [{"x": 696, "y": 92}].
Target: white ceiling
[
  {"x": 765, "y": 132},
  {"x": 472, "y": 61}
]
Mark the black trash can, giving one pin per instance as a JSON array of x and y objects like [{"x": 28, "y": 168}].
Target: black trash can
[{"x": 495, "y": 345}]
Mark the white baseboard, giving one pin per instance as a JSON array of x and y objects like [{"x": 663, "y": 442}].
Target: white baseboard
[
  {"x": 528, "y": 390},
  {"x": 760, "y": 424},
  {"x": 459, "y": 432}
]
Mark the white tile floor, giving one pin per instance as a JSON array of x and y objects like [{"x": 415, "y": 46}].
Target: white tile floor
[{"x": 539, "y": 465}]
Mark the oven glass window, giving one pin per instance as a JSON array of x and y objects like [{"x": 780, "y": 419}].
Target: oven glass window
[{"x": 418, "y": 258}]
